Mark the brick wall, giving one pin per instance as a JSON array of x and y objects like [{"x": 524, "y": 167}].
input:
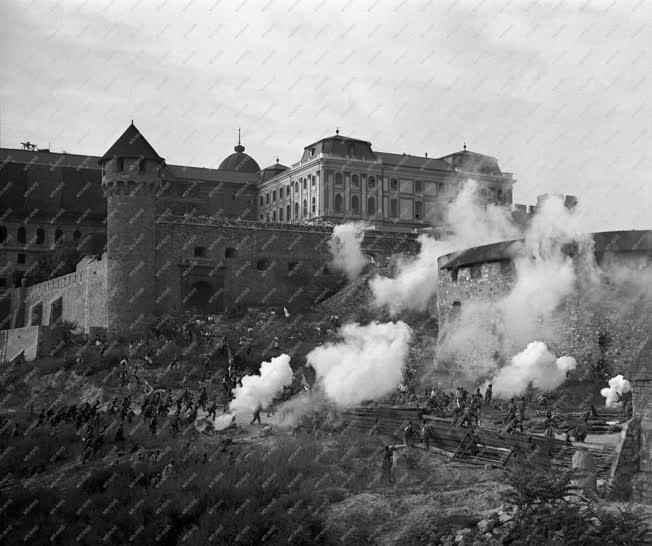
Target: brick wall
[
  {"x": 82, "y": 296},
  {"x": 252, "y": 264},
  {"x": 573, "y": 328}
]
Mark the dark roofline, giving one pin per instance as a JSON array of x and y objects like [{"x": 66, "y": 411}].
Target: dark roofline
[
  {"x": 468, "y": 152},
  {"x": 336, "y": 137},
  {"x": 627, "y": 240},
  {"x": 131, "y": 139}
]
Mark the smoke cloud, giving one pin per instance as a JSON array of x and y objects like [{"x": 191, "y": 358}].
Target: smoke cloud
[
  {"x": 473, "y": 224},
  {"x": 415, "y": 282},
  {"x": 617, "y": 387},
  {"x": 366, "y": 363},
  {"x": 535, "y": 366},
  {"x": 345, "y": 246},
  {"x": 258, "y": 390}
]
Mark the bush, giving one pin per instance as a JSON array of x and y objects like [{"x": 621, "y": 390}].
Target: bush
[{"x": 545, "y": 515}]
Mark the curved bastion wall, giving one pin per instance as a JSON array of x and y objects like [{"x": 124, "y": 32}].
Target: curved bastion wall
[{"x": 604, "y": 318}]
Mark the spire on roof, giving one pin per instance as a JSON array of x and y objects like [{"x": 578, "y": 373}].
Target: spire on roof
[
  {"x": 239, "y": 148},
  {"x": 465, "y": 146},
  {"x": 276, "y": 159},
  {"x": 337, "y": 130},
  {"x": 132, "y": 144}
]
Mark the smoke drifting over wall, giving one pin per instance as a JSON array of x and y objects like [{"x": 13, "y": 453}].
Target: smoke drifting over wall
[
  {"x": 366, "y": 363},
  {"x": 345, "y": 246},
  {"x": 414, "y": 284},
  {"x": 535, "y": 365},
  {"x": 555, "y": 271}
]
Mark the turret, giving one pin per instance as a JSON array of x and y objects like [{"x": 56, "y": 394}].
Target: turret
[{"x": 132, "y": 174}]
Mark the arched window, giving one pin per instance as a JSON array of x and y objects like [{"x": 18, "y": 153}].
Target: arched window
[
  {"x": 296, "y": 186},
  {"x": 371, "y": 206},
  {"x": 274, "y": 216},
  {"x": 338, "y": 179},
  {"x": 314, "y": 205},
  {"x": 305, "y": 207},
  {"x": 3, "y": 234},
  {"x": 76, "y": 236},
  {"x": 355, "y": 204},
  {"x": 22, "y": 235},
  {"x": 58, "y": 236},
  {"x": 230, "y": 252},
  {"x": 296, "y": 211},
  {"x": 305, "y": 184},
  {"x": 261, "y": 201},
  {"x": 338, "y": 203},
  {"x": 484, "y": 193},
  {"x": 267, "y": 217},
  {"x": 280, "y": 214},
  {"x": 288, "y": 213},
  {"x": 40, "y": 236},
  {"x": 355, "y": 181},
  {"x": 371, "y": 183}
]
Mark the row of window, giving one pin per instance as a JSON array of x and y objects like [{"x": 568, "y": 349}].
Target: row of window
[
  {"x": 261, "y": 265},
  {"x": 371, "y": 206},
  {"x": 280, "y": 217},
  {"x": 271, "y": 196},
  {"x": 355, "y": 180},
  {"x": 21, "y": 235}
]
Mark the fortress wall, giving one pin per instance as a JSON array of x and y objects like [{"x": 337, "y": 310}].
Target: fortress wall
[
  {"x": 81, "y": 295},
  {"x": 270, "y": 265},
  {"x": 615, "y": 309}
]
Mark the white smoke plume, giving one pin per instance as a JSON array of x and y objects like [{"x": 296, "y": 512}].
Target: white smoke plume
[
  {"x": 415, "y": 282},
  {"x": 470, "y": 224},
  {"x": 473, "y": 224},
  {"x": 366, "y": 363},
  {"x": 617, "y": 387},
  {"x": 535, "y": 366},
  {"x": 345, "y": 246},
  {"x": 546, "y": 272},
  {"x": 258, "y": 390}
]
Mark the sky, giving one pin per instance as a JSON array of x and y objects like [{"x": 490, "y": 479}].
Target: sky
[{"x": 558, "y": 91}]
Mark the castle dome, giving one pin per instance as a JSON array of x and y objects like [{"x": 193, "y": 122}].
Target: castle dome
[{"x": 239, "y": 161}]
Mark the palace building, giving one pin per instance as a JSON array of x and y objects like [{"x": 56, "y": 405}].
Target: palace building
[{"x": 220, "y": 228}]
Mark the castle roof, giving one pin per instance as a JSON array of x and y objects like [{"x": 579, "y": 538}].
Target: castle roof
[
  {"x": 131, "y": 144},
  {"x": 338, "y": 145},
  {"x": 413, "y": 161},
  {"x": 603, "y": 242},
  {"x": 472, "y": 162},
  {"x": 239, "y": 161},
  {"x": 272, "y": 171}
]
